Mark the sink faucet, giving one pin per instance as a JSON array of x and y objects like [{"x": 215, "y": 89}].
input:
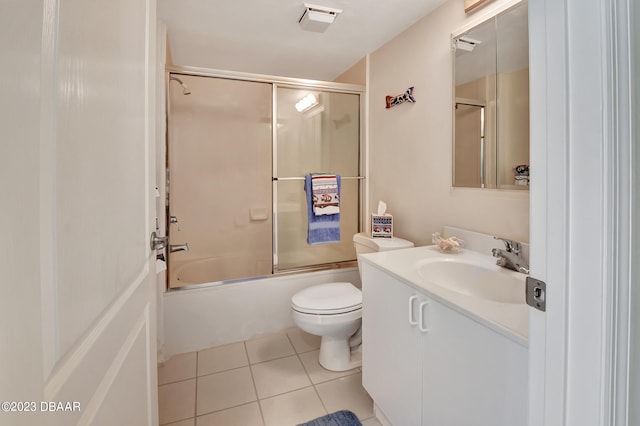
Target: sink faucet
[{"x": 511, "y": 257}]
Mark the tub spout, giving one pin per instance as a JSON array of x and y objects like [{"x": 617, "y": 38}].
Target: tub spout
[{"x": 178, "y": 247}]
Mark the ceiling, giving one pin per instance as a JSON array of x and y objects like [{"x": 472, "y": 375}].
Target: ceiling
[{"x": 263, "y": 36}]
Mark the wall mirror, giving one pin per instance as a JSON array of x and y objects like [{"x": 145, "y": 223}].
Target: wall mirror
[{"x": 491, "y": 103}]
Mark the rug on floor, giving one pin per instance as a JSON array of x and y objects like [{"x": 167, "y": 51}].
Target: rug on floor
[{"x": 339, "y": 418}]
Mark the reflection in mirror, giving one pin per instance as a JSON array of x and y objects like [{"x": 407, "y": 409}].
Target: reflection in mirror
[{"x": 491, "y": 103}]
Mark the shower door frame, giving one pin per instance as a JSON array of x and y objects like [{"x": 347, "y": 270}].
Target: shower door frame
[{"x": 276, "y": 82}]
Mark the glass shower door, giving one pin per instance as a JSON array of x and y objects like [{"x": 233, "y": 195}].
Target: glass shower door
[
  {"x": 316, "y": 132},
  {"x": 220, "y": 147}
]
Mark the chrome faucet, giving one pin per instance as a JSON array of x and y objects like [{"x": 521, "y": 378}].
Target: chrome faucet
[
  {"x": 178, "y": 247},
  {"x": 511, "y": 257}
]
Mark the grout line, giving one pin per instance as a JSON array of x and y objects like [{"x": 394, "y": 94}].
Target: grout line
[
  {"x": 284, "y": 393},
  {"x": 179, "y": 421},
  {"x": 229, "y": 408},
  {"x": 253, "y": 380},
  {"x": 195, "y": 399},
  {"x": 177, "y": 381},
  {"x": 224, "y": 371},
  {"x": 313, "y": 385},
  {"x": 269, "y": 360}
]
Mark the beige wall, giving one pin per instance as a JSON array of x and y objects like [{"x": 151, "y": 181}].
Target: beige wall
[
  {"x": 357, "y": 74},
  {"x": 411, "y": 144}
]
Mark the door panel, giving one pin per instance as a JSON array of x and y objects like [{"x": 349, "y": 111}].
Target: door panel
[
  {"x": 99, "y": 179},
  {"x": 220, "y": 179},
  {"x": 97, "y": 169},
  {"x": 324, "y": 137}
]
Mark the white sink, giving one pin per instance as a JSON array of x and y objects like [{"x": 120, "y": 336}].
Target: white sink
[{"x": 489, "y": 282}]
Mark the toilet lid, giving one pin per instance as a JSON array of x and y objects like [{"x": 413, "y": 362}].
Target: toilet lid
[{"x": 327, "y": 299}]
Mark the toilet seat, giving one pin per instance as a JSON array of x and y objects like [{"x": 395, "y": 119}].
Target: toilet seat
[{"x": 328, "y": 299}]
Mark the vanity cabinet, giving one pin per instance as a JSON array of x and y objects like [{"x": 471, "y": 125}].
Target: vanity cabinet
[{"x": 426, "y": 363}]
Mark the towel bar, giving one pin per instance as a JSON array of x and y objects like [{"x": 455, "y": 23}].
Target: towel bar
[{"x": 302, "y": 178}]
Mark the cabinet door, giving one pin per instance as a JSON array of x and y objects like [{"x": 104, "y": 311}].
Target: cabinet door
[
  {"x": 472, "y": 375},
  {"x": 391, "y": 352}
]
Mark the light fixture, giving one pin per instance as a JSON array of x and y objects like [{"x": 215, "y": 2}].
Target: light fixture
[
  {"x": 306, "y": 103},
  {"x": 466, "y": 43},
  {"x": 317, "y": 18}
]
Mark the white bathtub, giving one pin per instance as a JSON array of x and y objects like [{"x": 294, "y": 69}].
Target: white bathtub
[
  {"x": 209, "y": 315},
  {"x": 218, "y": 269}
]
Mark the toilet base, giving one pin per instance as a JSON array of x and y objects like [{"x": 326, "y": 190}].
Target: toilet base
[{"x": 336, "y": 354}]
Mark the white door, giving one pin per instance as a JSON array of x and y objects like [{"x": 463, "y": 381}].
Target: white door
[
  {"x": 78, "y": 309},
  {"x": 579, "y": 207}
]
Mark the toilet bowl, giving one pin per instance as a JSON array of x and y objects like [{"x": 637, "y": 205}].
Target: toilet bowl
[{"x": 333, "y": 311}]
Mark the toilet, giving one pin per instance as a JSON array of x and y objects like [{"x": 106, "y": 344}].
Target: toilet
[{"x": 333, "y": 311}]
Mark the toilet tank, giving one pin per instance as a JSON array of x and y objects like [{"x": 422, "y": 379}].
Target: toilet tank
[{"x": 364, "y": 243}]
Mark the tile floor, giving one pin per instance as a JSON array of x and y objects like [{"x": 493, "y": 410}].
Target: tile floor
[{"x": 270, "y": 380}]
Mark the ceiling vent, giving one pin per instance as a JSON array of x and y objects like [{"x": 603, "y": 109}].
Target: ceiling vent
[{"x": 317, "y": 18}]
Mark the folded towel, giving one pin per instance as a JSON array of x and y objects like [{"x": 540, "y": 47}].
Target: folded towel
[
  {"x": 326, "y": 199},
  {"x": 325, "y": 228}
]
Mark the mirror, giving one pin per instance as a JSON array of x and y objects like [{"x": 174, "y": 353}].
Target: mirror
[{"x": 491, "y": 103}]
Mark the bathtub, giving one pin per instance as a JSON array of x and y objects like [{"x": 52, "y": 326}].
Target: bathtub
[
  {"x": 215, "y": 270},
  {"x": 202, "y": 316}
]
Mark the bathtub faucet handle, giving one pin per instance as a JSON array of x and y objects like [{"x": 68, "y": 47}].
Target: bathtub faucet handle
[{"x": 174, "y": 219}]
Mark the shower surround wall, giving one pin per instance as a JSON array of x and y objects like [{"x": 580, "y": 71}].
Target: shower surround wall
[{"x": 220, "y": 179}]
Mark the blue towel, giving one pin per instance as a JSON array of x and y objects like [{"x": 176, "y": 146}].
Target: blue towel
[
  {"x": 322, "y": 229},
  {"x": 339, "y": 418}
]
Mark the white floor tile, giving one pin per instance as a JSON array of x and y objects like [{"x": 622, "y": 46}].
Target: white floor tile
[
  {"x": 244, "y": 415},
  {"x": 177, "y": 401},
  {"x": 224, "y": 390},
  {"x": 279, "y": 376},
  {"x": 303, "y": 342},
  {"x": 292, "y": 408},
  {"x": 371, "y": 422},
  {"x": 318, "y": 373},
  {"x": 188, "y": 422},
  {"x": 346, "y": 393},
  {"x": 266, "y": 348},
  {"x": 178, "y": 367},
  {"x": 222, "y": 358},
  {"x": 292, "y": 388}
]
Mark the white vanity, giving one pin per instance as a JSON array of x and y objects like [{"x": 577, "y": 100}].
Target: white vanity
[{"x": 444, "y": 339}]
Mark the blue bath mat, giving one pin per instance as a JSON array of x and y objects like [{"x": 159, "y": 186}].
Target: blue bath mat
[{"x": 339, "y": 418}]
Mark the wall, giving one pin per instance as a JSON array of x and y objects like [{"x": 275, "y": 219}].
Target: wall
[
  {"x": 357, "y": 74},
  {"x": 410, "y": 144}
]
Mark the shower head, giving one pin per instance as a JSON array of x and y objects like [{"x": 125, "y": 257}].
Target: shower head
[{"x": 185, "y": 89}]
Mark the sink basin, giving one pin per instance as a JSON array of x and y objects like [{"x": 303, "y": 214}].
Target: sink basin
[{"x": 488, "y": 282}]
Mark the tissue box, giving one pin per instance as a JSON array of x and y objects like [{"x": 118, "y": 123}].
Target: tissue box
[{"x": 382, "y": 225}]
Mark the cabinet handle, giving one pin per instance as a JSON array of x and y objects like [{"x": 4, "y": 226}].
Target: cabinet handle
[
  {"x": 411, "y": 320},
  {"x": 421, "y": 319}
]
